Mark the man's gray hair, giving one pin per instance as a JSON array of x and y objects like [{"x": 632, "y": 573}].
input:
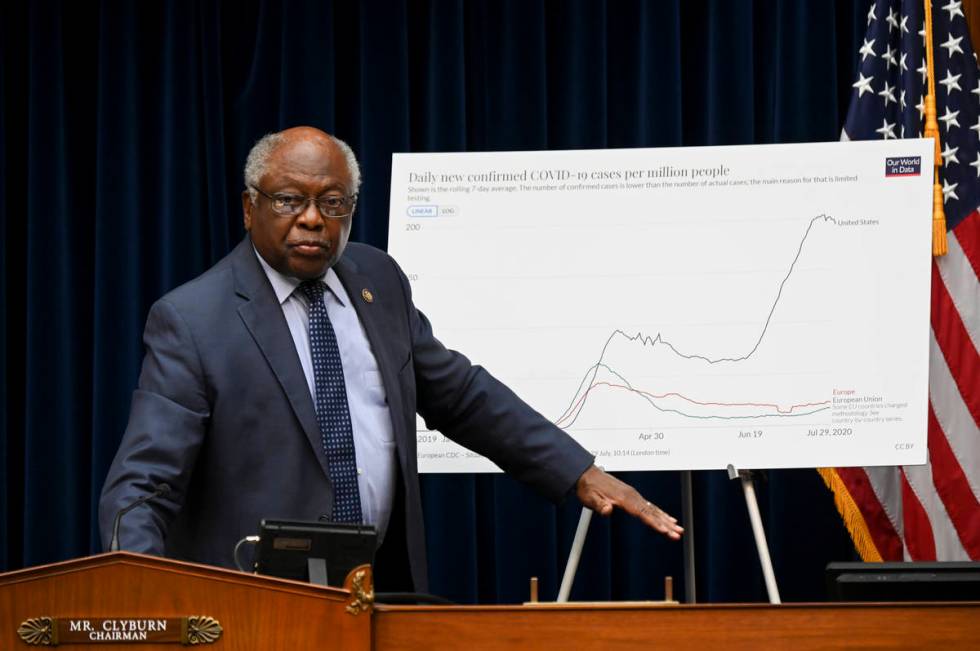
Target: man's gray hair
[{"x": 258, "y": 159}]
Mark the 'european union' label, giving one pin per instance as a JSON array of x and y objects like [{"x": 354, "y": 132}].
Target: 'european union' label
[{"x": 904, "y": 166}]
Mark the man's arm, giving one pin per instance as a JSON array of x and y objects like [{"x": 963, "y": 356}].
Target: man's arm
[
  {"x": 473, "y": 408},
  {"x": 167, "y": 422},
  {"x": 469, "y": 405}
]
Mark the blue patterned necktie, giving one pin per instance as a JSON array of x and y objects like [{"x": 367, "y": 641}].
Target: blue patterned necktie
[{"x": 332, "y": 412}]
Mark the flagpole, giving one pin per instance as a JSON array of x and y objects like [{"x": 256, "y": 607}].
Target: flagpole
[{"x": 939, "y": 245}]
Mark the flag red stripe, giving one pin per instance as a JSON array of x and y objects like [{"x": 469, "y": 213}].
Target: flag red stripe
[
  {"x": 947, "y": 486},
  {"x": 955, "y": 342},
  {"x": 886, "y": 539},
  {"x": 954, "y": 489},
  {"x": 918, "y": 531},
  {"x": 968, "y": 235}
]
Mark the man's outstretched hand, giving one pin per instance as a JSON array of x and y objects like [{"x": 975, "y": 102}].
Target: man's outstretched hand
[{"x": 601, "y": 492}]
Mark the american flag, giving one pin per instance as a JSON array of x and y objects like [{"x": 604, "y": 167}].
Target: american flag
[{"x": 928, "y": 512}]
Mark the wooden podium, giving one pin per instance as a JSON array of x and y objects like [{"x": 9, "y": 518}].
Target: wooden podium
[
  {"x": 108, "y": 597},
  {"x": 112, "y": 600}
]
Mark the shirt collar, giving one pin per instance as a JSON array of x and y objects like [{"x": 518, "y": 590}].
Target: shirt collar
[{"x": 284, "y": 285}]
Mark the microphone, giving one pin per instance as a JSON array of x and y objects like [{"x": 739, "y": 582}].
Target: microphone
[{"x": 160, "y": 490}]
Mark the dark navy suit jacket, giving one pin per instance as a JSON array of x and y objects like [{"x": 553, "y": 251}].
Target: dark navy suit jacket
[{"x": 223, "y": 414}]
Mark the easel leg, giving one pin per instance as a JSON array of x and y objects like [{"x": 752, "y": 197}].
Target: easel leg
[
  {"x": 687, "y": 506},
  {"x": 748, "y": 488},
  {"x": 574, "y": 555}
]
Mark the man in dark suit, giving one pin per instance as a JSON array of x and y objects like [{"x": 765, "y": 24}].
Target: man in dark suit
[{"x": 284, "y": 383}]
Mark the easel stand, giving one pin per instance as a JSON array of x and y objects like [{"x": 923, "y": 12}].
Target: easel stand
[
  {"x": 760, "y": 535},
  {"x": 748, "y": 488}
]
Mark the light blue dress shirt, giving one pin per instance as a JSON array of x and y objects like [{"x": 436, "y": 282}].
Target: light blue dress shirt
[{"x": 374, "y": 439}]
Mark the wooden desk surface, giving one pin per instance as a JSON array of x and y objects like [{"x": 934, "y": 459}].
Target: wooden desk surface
[
  {"x": 736, "y": 626},
  {"x": 264, "y": 614}
]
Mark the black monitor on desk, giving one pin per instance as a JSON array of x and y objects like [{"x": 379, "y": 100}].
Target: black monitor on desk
[
  {"x": 318, "y": 552},
  {"x": 909, "y": 581}
]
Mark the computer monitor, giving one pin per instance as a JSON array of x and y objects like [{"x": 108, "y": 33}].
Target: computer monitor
[
  {"x": 318, "y": 552},
  {"x": 911, "y": 581}
]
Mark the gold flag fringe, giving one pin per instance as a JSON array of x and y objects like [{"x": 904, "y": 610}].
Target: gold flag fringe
[
  {"x": 851, "y": 514},
  {"x": 939, "y": 244}
]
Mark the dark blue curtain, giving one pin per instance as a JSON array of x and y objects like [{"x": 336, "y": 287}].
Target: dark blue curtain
[{"x": 125, "y": 126}]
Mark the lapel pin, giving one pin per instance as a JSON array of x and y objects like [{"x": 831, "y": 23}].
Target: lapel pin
[{"x": 367, "y": 295}]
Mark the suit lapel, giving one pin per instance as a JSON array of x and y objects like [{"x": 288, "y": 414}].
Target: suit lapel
[{"x": 262, "y": 315}]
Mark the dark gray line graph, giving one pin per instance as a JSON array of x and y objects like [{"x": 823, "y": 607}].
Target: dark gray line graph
[{"x": 574, "y": 409}]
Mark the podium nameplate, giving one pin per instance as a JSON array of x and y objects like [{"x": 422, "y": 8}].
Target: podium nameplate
[{"x": 51, "y": 631}]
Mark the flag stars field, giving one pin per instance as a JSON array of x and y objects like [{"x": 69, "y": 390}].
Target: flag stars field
[{"x": 928, "y": 512}]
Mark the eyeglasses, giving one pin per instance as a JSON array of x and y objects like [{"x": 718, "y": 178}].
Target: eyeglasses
[{"x": 290, "y": 205}]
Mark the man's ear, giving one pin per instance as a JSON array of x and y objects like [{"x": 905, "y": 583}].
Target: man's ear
[{"x": 247, "y": 207}]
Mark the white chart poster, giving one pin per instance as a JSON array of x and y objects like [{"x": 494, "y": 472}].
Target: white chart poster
[{"x": 689, "y": 308}]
